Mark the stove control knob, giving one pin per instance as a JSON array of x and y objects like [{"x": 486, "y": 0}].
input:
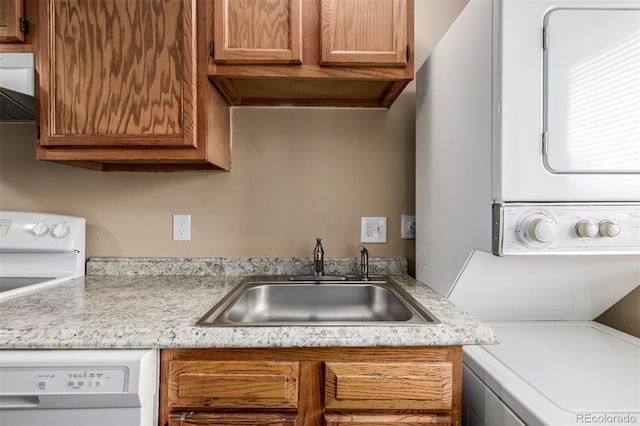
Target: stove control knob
[
  {"x": 538, "y": 228},
  {"x": 609, "y": 229},
  {"x": 60, "y": 231},
  {"x": 40, "y": 229},
  {"x": 586, "y": 229}
]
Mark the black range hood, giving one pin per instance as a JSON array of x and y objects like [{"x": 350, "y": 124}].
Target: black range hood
[{"x": 16, "y": 106}]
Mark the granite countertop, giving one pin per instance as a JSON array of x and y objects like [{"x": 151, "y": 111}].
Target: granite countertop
[{"x": 149, "y": 308}]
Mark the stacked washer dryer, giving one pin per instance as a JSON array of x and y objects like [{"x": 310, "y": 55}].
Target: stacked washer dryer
[{"x": 528, "y": 203}]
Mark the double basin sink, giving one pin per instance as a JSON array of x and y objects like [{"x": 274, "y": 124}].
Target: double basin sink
[{"x": 280, "y": 301}]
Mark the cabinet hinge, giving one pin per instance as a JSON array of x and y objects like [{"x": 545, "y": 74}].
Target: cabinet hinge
[
  {"x": 408, "y": 52},
  {"x": 212, "y": 49},
  {"x": 38, "y": 132},
  {"x": 545, "y": 38},
  {"x": 24, "y": 26},
  {"x": 545, "y": 146}
]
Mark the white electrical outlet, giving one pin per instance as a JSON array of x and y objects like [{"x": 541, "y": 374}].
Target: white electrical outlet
[
  {"x": 181, "y": 227},
  {"x": 408, "y": 227},
  {"x": 373, "y": 229}
]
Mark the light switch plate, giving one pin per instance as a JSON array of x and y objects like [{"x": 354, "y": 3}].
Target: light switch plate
[{"x": 373, "y": 229}]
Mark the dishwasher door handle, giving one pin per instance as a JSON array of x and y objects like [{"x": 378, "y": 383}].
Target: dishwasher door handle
[{"x": 19, "y": 401}]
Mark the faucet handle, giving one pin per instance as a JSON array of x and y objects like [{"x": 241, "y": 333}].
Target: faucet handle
[
  {"x": 318, "y": 258},
  {"x": 364, "y": 263}
]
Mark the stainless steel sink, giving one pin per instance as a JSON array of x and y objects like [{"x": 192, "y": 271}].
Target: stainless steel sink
[{"x": 271, "y": 301}]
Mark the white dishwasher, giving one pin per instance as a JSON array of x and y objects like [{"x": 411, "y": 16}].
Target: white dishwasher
[
  {"x": 71, "y": 387},
  {"x": 78, "y": 387}
]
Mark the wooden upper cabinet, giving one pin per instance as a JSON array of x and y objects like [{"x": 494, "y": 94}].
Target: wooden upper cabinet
[
  {"x": 257, "y": 31},
  {"x": 353, "y": 53},
  {"x": 122, "y": 85},
  {"x": 364, "y": 32},
  {"x": 119, "y": 68},
  {"x": 11, "y": 16}
]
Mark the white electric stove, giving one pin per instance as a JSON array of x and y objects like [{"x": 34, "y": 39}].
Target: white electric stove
[
  {"x": 38, "y": 250},
  {"x": 64, "y": 387}
]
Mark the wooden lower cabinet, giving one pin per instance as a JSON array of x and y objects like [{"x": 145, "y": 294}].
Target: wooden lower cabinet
[
  {"x": 237, "y": 419},
  {"x": 387, "y": 419},
  {"x": 311, "y": 386}
]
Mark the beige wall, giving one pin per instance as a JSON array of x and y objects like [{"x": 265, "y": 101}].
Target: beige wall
[
  {"x": 297, "y": 174},
  {"x": 624, "y": 315}
]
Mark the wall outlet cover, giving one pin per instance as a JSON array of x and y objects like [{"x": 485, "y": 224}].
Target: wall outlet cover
[
  {"x": 181, "y": 227},
  {"x": 373, "y": 229},
  {"x": 407, "y": 227}
]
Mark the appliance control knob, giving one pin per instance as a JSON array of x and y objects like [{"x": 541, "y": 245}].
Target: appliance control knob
[
  {"x": 40, "y": 229},
  {"x": 60, "y": 231},
  {"x": 609, "y": 229},
  {"x": 538, "y": 228},
  {"x": 586, "y": 229}
]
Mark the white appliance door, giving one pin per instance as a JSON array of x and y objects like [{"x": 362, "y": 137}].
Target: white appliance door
[
  {"x": 592, "y": 103},
  {"x": 567, "y": 101},
  {"x": 78, "y": 387},
  {"x": 558, "y": 373},
  {"x": 78, "y": 417}
]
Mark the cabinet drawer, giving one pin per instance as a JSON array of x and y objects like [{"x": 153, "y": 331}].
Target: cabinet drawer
[
  {"x": 380, "y": 385},
  {"x": 232, "y": 419},
  {"x": 387, "y": 420},
  {"x": 233, "y": 384}
]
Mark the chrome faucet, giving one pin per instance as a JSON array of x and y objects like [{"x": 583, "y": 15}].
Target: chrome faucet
[
  {"x": 318, "y": 259},
  {"x": 364, "y": 263}
]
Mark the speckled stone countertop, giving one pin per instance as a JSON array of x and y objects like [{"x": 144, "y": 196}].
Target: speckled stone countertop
[{"x": 160, "y": 311}]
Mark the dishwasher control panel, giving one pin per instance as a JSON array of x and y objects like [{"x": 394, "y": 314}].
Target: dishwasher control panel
[{"x": 61, "y": 380}]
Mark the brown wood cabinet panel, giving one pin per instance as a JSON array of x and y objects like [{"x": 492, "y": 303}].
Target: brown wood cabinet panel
[
  {"x": 232, "y": 419},
  {"x": 121, "y": 68},
  {"x": 233, "y": 384},
  {"x": 122, "y": 86},
  {"x": 387, "y": 419},
  {"x": 407, "y": 385},
  {"x": 11, "y": 12},
  {"x": 361, "y": 376},
  {"x": 371, "y": 73},
  {"x": 365, "y": 32},
  {"x": 257, "y": 31}
]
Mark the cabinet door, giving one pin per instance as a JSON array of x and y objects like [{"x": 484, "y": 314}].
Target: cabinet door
[
  {"x": 11, "y": 12},
  {"x": 232, "y": 419},
  {"x": 365, "y": 32},
  {"x": 118, "y": 73},
  {"x": 387, "y": 419},
  {"x": 257, "y": 31}
]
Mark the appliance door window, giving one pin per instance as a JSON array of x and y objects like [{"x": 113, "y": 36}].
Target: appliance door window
[{"x": 592, "y": 91}]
